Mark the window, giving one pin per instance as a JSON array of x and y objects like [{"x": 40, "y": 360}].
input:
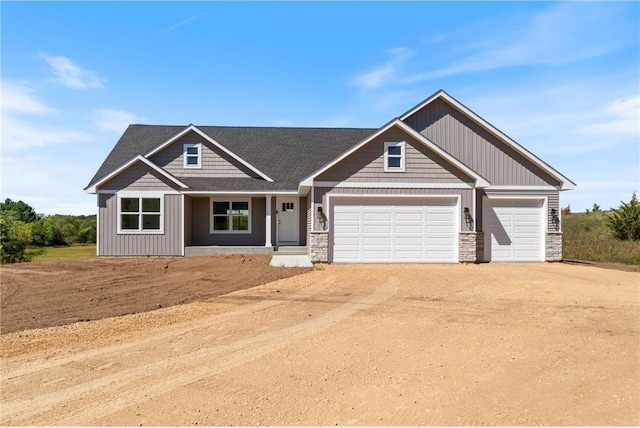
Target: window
[
  {"x": 394, "y": 157},
  {"x": 231, "y": 216},
  {"x": 192, "y": 155},
  {"x": 140, "y": 214},
  {"x": 287, "y": 207}
]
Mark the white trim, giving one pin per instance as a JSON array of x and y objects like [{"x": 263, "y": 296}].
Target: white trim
[
  {"x": 185, "y": 155},
  {"x": 566, "y": 183},
  {"x": 182, "y": 225},
  {"x": 457, "y": 198},
  {"x": 391, "y": 185},
  {"x": 213, "y": 199},
  {"x": 513, "y": 196},
  {"x": 138, "y": 158},
  {"x": 212, "y": 141},
  {"x": 517, "y": 188},
  {"x": 402, "y": 156},
  {"x": 236, "y": 192},
  {"x": 267, "y": 233},
  {"x": 98, "y": 226},
  {"x": 139, "y": 195},
  {"x": 480, "y": 181}
]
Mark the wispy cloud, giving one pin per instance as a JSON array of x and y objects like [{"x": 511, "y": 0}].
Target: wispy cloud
[
  {"x": 384, "y": 73},
  {"x": 562, "y": 34},
  {"x": 113, "y": 120},
  {"x": 622, "y": 117},
  {"x": 19, "y": 97},
  {"x": 67, "y": 73},
  {"x": 181, "y": 23}
]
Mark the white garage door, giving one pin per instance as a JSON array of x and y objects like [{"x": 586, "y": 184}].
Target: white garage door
[
  {"x": 394, "y": 231},
  {"x": 513, "y": 230}
]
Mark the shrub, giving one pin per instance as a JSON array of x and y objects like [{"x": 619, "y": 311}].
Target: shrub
[
  {"x": 625, "y": 221},
  {"x": 14, "y": 237}
]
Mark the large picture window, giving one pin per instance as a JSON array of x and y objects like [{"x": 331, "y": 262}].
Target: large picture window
[
  {"x": 231, "y": 216},
  {"x": 140, "y": 214}
]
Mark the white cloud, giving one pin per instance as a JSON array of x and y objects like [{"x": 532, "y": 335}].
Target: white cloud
[
  {"x": 387, "y": 71},
  {"x": 283, "y": 122},
  {"x": 623, "y": 118},
  {"x": 20, "y": 134},
  {"x": 562, "y": 34},
  {"x": 69, "y": 74},
  {"x": 113, "y": 120},
  {"x": 181, "y": 23},
  {"x": 18, "y": 97}
]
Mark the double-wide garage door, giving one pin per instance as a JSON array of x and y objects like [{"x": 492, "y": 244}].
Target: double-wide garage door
[
  {"x": 394, "y": 230},
  {"x": 513, "y": 230}
]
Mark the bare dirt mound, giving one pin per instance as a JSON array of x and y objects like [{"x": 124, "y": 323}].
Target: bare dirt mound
[{"x": 36, "y": 295}]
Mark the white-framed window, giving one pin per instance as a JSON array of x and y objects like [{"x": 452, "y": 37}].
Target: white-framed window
[
  {"x": 394, "y": 157},
  {"x": 230, "y": 215},
  {"x": 141, "y": 213},
  {"x": 192, "y": 155}
]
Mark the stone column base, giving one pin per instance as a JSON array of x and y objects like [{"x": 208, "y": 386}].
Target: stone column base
[
  {"x": 319, "y": 246},
  {"x": 553, "y": 248},
  {"x": 471, "y": 247}
]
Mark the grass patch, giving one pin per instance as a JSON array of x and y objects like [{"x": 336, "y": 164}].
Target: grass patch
[
  {"x": 70, "y": 252},
  {"x": 587, "y": 237}
]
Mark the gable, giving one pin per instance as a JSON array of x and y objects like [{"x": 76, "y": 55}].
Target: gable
[
  {"x": 138, "y": 176},
  {"x": 476, "y": 147},
  {"x": 422, "y": 165},
  {"x": 215, "y": 163}
]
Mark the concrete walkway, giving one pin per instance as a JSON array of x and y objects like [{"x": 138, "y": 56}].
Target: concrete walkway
[{"x": 291, "y": 260}]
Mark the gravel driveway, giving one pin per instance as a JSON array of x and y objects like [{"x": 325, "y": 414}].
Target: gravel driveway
[{"x": 497, "y": 344}]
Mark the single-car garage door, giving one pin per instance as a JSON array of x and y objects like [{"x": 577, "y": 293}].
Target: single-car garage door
[
  {"x": 394, "y": 230},
  {"x": 513, "y": 230}
]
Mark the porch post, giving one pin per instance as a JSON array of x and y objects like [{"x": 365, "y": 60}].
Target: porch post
[{"x": 267, "y": 240}]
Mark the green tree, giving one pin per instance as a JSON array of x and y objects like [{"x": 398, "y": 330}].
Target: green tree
[
  {"x": 625, "y": 221},
  {"x": 24, "y": 212},
  {"x": 15, "y": 235}
]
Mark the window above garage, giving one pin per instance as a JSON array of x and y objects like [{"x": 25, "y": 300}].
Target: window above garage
[{"x": 394, "y": 157}]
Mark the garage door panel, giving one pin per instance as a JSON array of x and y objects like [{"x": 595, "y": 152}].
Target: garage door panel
[
  {"x": 376, "y": 216},
  {"x": 409, "y": 228},
  {"x": 514, "y": 230},
  {"x": 347, "y": 240},
  {"x": 340, "y": 228},
  {"x": 391, "y": 230}
]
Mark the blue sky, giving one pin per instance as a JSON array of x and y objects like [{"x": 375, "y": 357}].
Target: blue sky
[{"x": 562, "y": 79}]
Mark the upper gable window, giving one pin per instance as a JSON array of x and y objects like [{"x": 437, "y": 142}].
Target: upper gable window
[
  {"x": 394, "y": 157},
  {"x": 193, "y": 155}
]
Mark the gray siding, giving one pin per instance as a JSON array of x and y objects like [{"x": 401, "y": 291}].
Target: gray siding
[
  {"x": 188, "y": 220},
  {"x": 553, "y": 203},
  {"x": 475, "y": 147},
  {"x": 114, "y": 244},
  {"x": 466, "y": 198},
  {"x": 201, "y": 213},
  {"x": 215, "y": 163},
  {"x": 421, "y": 164},
  {"x": 138, "y": 177}
]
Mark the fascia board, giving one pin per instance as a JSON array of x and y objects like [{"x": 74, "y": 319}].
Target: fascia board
[
  {"x": 139, "y": 158},
  {"x": 566, "y": 183},
  {"x": 212, "y": 141}
]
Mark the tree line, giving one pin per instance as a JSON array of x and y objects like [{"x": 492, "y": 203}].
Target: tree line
[{"x": 21, "y": 227}]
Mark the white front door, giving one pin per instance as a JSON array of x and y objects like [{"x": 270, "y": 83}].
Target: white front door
[{"x": 288, "y": 225}]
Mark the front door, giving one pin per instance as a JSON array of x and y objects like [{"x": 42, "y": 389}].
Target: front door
[{"x": 288, "y": 220}]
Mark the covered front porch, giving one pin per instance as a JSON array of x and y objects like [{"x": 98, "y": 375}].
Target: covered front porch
[{"x": 244, "y": 223}]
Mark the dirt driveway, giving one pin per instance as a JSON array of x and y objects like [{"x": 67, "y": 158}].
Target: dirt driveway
[{"x": 498, "y": 344}]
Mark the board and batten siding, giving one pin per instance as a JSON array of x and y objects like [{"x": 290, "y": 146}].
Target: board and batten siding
[
  {"x": 138, "y": 177},
  {"x": 421, "y": 165},
  {"x": 201, "y": 223},
  {"x": 553, "y": 202},
  {"x": 476, "y": 147},
  {"x": 215, "y": 163},
  {"x": 113, "y": 244},
  {"x": 466, "y": 198}
]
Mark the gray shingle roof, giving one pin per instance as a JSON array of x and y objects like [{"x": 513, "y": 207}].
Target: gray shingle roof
[{"x": 287, "y": 155}]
